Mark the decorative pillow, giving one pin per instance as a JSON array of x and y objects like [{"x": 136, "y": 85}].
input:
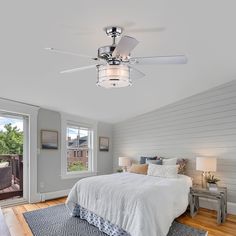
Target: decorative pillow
[
  {"x": 156, "y": 162},
  {"x": 169, "y": 161},
  {"x": 139, "y": 169},
  {"x": 4, "y": 164},
  {"x": 182, "y": 166},
  {"x": 164, "y": 171},
  {"x": 143, "y": 159}
]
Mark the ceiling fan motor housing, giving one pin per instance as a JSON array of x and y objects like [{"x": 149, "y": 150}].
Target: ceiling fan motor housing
[{"x": 105, "y": 52}]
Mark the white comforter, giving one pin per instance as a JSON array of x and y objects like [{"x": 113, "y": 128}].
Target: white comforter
[{"x": 140, "y": 204}]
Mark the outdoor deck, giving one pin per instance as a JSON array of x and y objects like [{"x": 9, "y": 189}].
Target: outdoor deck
[
  {"x": 13, "y": 187},
  {"x": 11, "y": 192},
  {"x": 12, "y": 178}
]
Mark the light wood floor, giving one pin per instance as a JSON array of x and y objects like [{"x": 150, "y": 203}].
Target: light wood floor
[
  {"x": 205, "y": 219},
  {"x": 15, "y": 220}
]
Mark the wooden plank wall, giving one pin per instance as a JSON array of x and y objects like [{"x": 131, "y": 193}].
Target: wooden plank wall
[{"x": 201, "y": 125}]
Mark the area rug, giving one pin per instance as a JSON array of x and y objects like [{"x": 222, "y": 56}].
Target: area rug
[{"x": 57, "y": 221}]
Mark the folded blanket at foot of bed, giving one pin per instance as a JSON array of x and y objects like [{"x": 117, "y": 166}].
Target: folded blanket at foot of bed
[{"x": 103, "y": 225}]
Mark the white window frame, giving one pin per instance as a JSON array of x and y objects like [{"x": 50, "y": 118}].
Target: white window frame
[{"x": 67, "y": 120}]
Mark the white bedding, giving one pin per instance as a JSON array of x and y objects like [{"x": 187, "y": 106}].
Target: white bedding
[{"x": 141, "y": 205}]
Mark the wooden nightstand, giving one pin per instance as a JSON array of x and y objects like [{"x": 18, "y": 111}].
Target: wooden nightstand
[{"x": 220, "y": 195}]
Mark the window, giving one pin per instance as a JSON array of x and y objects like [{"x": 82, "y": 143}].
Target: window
[
  {"x": 78, "y": 138},
  {"x": 79, "y": 148}
]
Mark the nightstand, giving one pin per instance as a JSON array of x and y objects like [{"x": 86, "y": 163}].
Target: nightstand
[{"x": 220, "y": 195}]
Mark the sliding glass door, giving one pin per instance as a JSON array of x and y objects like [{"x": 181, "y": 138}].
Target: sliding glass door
[{"x": 13, "y": 144}]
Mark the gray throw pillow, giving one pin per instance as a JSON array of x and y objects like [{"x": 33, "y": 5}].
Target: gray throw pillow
[{"x": 143, "y": 159}]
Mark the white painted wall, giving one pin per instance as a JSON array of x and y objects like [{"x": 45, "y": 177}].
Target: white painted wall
[{"x": 204, "y": 124}]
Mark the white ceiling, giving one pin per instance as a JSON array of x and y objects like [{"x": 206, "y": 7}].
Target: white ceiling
[{"x": 204, "y": 30}]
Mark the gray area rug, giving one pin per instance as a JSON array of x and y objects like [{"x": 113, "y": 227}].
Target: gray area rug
[{"x": 57, "y": 221}]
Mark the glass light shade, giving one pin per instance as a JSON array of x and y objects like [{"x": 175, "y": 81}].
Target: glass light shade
[
  {"x": 113, "y": 76},
  {"x": 206, "y": 164},
  {"x": 124, "y": 161}
]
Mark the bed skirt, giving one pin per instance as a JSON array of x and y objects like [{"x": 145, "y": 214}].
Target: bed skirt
[{"x": 103, "y": 225}]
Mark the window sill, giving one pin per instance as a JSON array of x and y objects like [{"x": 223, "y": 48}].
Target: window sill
[{"x": 78, "y": 175}]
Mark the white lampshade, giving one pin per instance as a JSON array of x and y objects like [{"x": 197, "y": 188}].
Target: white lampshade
[
  {"x": 124, "y": 161},
  {"x": 206, "y": 164}
]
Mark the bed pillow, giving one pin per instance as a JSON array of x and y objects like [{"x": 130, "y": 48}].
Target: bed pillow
[
  {"x": 139, "y": 169},
  {"x": 169, "y": 161},
  {"x": 143, "y": 159},
  {"x": 156, "y": 162},
  {"x": 164, "y": 171}
]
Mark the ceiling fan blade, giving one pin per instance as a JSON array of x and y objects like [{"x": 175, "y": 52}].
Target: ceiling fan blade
[
  {"x": 178, "y": 59},
  {"x": 70, "y": 53},
  {"x": 78, "y": 69},
  {"x": 136, "y": 74},
  {"x": 125, "y": 46}
]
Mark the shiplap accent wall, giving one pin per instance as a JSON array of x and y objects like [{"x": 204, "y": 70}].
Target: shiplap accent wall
[{"x": 201, "y": 125}]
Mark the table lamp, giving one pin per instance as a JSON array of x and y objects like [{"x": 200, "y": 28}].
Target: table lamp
[
  {"x": 124, "y": 162},
  {"x": 206, "y": 165}
]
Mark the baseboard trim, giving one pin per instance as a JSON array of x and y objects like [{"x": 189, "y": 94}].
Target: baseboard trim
[
  {"x": 53, "y": 195},
  {"x": 211, "y": 204},
  {"x": 12, "y": 202}
]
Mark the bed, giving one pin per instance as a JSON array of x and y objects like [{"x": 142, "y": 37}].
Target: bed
[{"x": 138, "y": 204}]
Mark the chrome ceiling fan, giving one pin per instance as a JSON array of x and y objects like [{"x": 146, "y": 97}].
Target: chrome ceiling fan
[{"x": 115, "y": 65}]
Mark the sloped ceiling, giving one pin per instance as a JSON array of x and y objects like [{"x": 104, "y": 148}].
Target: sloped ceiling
[{"x": 203, "y": 30}]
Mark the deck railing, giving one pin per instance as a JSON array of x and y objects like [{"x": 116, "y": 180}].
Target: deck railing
[{"x": 11, "y": 176}]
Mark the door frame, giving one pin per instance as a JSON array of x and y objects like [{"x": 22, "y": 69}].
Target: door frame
[{"x": 30, "y": 193}]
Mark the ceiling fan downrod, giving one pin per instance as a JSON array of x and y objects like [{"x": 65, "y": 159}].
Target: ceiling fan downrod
[{"x": 113, "y": 32}]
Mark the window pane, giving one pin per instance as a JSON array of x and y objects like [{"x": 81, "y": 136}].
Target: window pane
[{"x": 77, "y": 149}]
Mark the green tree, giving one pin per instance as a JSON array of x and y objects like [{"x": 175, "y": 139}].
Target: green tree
[{"x": 11, "y": 140}]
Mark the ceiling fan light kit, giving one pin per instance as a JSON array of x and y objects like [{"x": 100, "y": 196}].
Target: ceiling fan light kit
[
  {"x": 115, "y": 64},
  {"x": 113, "y": 76}
]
